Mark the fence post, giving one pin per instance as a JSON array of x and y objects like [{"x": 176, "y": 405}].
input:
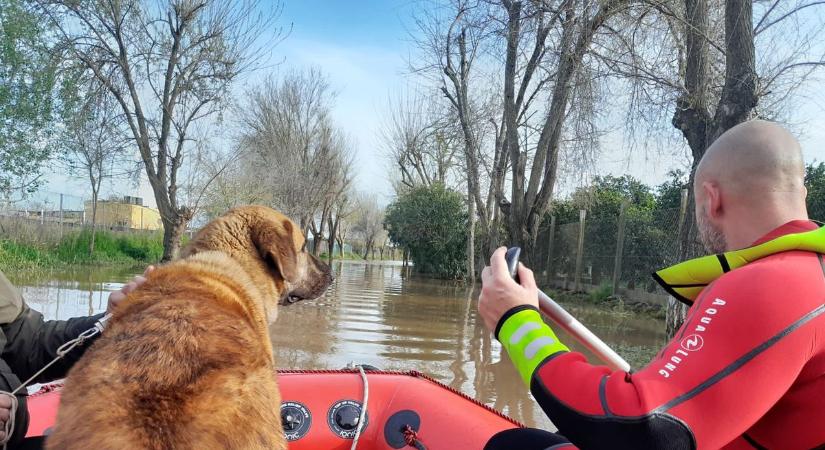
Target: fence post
[
  {"x": 617, "y": 267},
  {"x": 580, "y": 252},
  {"x": 61, "y": 215},
  {"x": 549, "y": 266},
  {"x": 682, "y": 212}
]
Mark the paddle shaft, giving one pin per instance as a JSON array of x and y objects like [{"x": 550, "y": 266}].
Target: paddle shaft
[{"x": 568, "y": 323}]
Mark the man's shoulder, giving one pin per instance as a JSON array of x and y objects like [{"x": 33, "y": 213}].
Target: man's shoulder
[{"x": 794, "y": 273}]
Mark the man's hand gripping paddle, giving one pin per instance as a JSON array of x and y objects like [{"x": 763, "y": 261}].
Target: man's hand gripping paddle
[{"x": 564, "y": 320}]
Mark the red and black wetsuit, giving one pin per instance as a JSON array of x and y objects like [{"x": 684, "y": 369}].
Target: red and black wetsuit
[{"x": 745, "y": 371}]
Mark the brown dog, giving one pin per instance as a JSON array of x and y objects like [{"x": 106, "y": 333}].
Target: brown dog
[{"x": 186, "y": 360}]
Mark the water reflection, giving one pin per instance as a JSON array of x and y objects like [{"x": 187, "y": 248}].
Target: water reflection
[
  {"x": 72, "y": 293},
  {"x": 379, "y": 314}
]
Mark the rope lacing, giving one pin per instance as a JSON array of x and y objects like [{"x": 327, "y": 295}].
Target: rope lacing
[{"x": 411, "y": 438}]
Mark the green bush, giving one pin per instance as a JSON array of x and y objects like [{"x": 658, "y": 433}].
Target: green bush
[
  {"x": 431, "y": 223},
  {"x": 601, "y": 293}
]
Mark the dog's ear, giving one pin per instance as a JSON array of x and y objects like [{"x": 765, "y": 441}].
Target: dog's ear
[{"x": 275, "y": 243}]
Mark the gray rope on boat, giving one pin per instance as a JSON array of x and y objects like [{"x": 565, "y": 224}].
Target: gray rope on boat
[{"x": 363, "y": 415}]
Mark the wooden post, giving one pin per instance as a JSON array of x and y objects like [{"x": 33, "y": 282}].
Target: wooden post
[
  {"x": 61, "y": 216},
  {"x": 549, "y": 266},
  {"x": 617, "y": 266},
  {"x": 682, "y": 213},
  {"x": 579, "y": 252}
]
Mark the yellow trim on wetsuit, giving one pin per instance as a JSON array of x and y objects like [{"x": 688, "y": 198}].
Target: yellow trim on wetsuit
[{"x": 687, "y": 279}]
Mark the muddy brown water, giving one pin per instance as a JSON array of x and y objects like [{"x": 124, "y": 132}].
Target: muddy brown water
[{"x": 384, "y": 315}]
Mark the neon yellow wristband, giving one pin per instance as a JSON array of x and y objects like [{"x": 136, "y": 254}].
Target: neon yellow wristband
[{"x": 527, "y": 339}]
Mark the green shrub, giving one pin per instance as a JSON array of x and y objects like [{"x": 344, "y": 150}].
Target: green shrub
[
  {"x": 601, "y": 293},
  {"x": 431, "y": 223}
]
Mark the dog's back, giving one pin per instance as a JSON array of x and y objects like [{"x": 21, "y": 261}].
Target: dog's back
[{"x": 184, "y": 363}]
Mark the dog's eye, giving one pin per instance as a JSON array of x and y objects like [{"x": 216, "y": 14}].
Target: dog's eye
[{"x": 304, "y": 247}]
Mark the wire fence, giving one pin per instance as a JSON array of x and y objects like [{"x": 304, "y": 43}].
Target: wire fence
[
  {"x": 66, "y": 210},
  {"x": 616, "y": 252}
]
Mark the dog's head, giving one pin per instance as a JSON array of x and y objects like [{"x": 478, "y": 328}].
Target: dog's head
[
  {"x": 283, "y": 247},
  {"x": 271, "y": 248}
]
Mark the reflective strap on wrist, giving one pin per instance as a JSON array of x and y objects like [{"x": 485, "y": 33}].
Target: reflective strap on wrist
[{"x": 527, "y": 339}]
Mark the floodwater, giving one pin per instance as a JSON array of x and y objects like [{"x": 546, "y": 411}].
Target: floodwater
[{"x": 381, "y": 314}]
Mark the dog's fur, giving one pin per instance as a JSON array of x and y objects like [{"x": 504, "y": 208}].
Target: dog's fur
[{"x": 186, "y": 360}]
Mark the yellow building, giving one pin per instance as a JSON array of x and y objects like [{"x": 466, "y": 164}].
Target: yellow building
[{"x": 128, "y": 213}]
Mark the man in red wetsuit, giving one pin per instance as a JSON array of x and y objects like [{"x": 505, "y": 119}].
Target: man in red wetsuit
[{"x": 747, "y": 368}]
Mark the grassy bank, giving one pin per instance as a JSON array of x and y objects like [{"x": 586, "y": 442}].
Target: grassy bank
[
  {"x": 601, "y": 297},
  {"x": 20, "y": 252}
]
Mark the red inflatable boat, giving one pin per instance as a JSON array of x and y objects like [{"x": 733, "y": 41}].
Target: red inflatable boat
[{"x": 321, "y": 410}]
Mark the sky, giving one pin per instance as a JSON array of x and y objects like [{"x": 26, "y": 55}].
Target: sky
[{"x": 364, "y": 47}]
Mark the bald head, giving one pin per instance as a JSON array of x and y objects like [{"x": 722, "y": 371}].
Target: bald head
[
  {"x": 754, "y": 158},
  {"x": 750, "y": 181}
]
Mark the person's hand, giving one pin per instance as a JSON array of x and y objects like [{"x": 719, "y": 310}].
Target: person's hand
[
  {"x": 5, "y": 414},
  {"x": 500, "y": 293},
  {"x": 119, "y": 295}
]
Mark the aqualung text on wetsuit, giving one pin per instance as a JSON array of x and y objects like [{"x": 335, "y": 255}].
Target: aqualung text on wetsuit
[{"x": 692, "y": 343}]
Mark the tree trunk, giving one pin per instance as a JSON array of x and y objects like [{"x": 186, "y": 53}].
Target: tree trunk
[
  {"x": 333, "y": 231},
  {"x": 173, "y": 230},
  {"x": 367, "y": 249},
  {"x": 693, "y": 117},
  {"x": 471, "y": 237},
  {"x": 94, "y": 223}
]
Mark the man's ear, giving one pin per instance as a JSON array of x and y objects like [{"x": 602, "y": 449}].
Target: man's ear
[
  {"x": 714, "y": 199},
  {"x": 274, "y": 243}
]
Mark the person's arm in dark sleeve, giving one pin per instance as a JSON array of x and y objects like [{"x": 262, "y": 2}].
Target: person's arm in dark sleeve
[
  {"x": 33, "y": 342},
  {"x": 738, "y": 352},
  {"x": 8, "y": 383}
]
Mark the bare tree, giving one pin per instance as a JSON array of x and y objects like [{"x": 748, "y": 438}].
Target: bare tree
[
  {"x": 168, "y": 65},
  {"x": 93, "y": 145},
  {"x": 335, "y": 176},
  {"x": 292, "y": 147},
  {"x": 340, "y": 212},
  {"x": 368, "y": 222},
  {"x": 702, "y": 60},
  {"x": 452, "y": 39},
  {"x": 419, "y": 139},
  {"x": 576, "y": 23}
]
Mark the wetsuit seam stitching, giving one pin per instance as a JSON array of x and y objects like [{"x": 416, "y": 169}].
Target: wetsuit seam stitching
[
  {"x": 603, "y": 396},
  {"x": 662, "y": 410},
  {"x": 753, "y": 442},
  {"x": 741, "y": 361},
  {"x": 614, "y": 418}
]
